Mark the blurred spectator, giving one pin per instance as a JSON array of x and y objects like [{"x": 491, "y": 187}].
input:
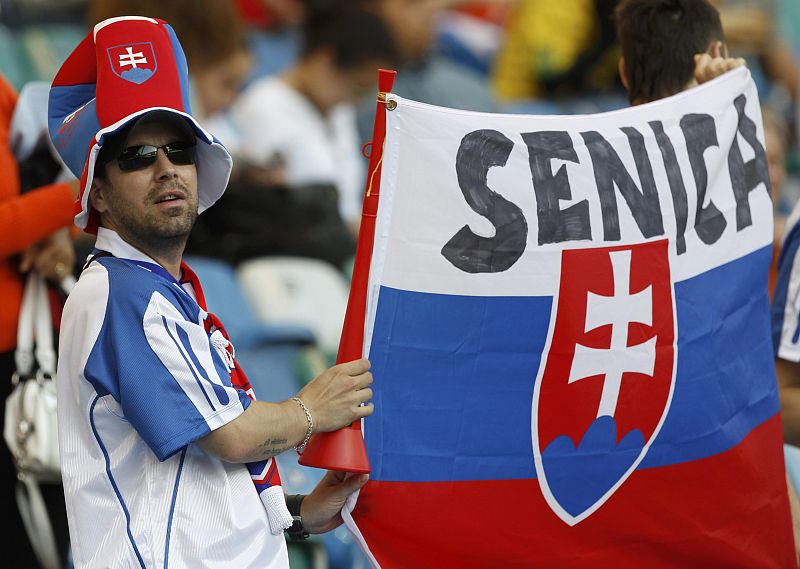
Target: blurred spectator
[
  {"x": 470, "y": 33},
  {"x": 776, "y": 139},
  {"x": 273, "y": 34},
  {"x": 558, "y": 50},
  {"x": 213, "y": 39},
  {"x": 423, "y": 75},
  {"x": 304, "y": 118},
  {"x": 35, "y": 235},
  {"x": 271, "y": 14},
  {"x": 304, "y": 172}
]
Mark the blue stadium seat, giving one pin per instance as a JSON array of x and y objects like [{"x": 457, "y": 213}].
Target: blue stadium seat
[
  {"x": 226, "y": 300},
  {"x": 267, "y": 353},
  {"x": 13, "y": 62}
]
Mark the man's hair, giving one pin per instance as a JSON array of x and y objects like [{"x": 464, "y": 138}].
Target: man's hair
[
  {"x": 354, "y": 35},
  {"x": 659, "y": 39},
  {"x": 112, "y": 146}
]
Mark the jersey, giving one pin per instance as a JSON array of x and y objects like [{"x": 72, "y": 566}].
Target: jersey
[
  {"x": 139, "y": 382},
  {"x": 786, "y": 298}
]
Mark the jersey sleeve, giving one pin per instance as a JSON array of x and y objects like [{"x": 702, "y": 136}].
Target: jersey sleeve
[
  {"x": 171, "y": 383},
  {"x": 786, "y": 300}
]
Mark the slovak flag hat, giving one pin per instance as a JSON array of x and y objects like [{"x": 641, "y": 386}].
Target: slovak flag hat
[{"x": 124, "y": 69}]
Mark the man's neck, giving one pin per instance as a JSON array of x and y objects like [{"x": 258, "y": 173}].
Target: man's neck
[{"x": 166, "y": 252}]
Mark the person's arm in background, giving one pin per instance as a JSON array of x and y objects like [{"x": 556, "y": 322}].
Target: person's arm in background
[
  {"x": 29, "y": 219},
  {"x": 25, "y": 220}
]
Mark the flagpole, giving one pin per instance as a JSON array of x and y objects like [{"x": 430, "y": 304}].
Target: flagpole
[{"x": 344, "y": 450}]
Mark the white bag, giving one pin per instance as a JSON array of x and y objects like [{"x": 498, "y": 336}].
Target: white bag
[{"x": 31, "y": 421}]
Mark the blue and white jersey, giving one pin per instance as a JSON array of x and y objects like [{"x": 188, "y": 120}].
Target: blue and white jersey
[
  {"x": 139, "y": 381},
  {"x": 786, "y": 299}
]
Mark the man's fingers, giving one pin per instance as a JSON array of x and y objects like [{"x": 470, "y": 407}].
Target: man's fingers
[
  {"x": 364, "y": 395},
  {"x": 356, "y": 367},
  {"x": 364, "y": 410},
  {"x": 362, "y": 381},
  {"x": 707, "y": 68},
  {"x": 356, "y": 482}
]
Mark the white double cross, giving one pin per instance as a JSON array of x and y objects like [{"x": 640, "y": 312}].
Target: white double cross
[
  {"x": 132, "y": 59},
  {"x": 619, "y": 310}
]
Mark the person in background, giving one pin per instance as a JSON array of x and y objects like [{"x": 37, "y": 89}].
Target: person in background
[
  {"x": 213, "y": 37},
  {"x": 559, "y": 55},
  {"x": 422, "y": 74},
  {"x": 302, "y": 123},
  {"x": 669, "y": 46},
  {"x": 35, "y": 235}
]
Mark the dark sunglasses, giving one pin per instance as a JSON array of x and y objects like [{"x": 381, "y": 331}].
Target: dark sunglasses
[{"x": 142, "y": 156}]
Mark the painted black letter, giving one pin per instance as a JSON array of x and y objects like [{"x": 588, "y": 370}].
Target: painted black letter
[
  {"x": 679, "y": 201},
  {"x": 700, "y": 132},
  {"x": 555, "y": 225},
  {"x": 746, "y": 177},
  {"x": 609, "y": 171},
  {"x": 479, "y": 151}
]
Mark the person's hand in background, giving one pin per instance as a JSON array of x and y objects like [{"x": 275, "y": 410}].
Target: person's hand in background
[{"x": 53, "y": 257}]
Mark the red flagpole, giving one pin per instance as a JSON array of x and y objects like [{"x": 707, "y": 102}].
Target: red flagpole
[{"x": 344, "y": 449}]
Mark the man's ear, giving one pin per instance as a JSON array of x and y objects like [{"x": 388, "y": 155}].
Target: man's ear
[
  {"x": 718, "y": 49},
  {"x": 97, "y": 197},
  {"x": 623, "y": 73}
]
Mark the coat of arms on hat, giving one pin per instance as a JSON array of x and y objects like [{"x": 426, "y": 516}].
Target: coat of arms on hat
[{"x": 134, "y": 62}]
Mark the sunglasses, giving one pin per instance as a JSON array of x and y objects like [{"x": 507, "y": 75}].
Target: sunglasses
[{"x": 142, "y": 156}]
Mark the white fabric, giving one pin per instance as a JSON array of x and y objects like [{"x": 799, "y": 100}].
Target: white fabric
[
  {"x": 126, "y": 508},
  {"x": 274, "y": 119}
]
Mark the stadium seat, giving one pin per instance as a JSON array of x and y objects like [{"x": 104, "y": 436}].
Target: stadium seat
[
  {"x": 13, "y": 62},
  {"x": 297, "y": 291},
  {"x": 307, "y": 555},
  {"x": 47, "y": 46},
  {"x": 225, "y": 299}
]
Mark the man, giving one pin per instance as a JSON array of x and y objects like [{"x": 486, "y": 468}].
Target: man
[
  {"x": 154, "y": 430},
  {"x": 669, "y": 46},
  {"x": 672, "y": 45},
  {"x": 308, "y": 111}
]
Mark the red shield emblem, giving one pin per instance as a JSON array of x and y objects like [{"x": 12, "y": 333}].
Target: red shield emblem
[
  {"x": 608, "y": 379},
  {"x": 134, "y": 62}
]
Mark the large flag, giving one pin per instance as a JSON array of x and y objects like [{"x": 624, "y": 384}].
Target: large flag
[{"x": 569, "y": 329}]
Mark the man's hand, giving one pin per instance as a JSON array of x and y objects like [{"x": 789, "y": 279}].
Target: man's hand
[
  {"x": 53, "y": 257},
  {"x": 708, "y": 66},
  {"x": 336, "y": 395},
  {"x": 322, "y": 509}
]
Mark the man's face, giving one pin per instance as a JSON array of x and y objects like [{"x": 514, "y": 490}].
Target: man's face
[
  {"x": 412, "y": 24},
  {"x": 152, "y": 205}
]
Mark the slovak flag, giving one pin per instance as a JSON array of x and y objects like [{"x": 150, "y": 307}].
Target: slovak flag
[{"x": 568, "y": 323}]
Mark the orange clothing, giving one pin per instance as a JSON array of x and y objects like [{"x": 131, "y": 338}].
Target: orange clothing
[{"x": 24, "y": 220}]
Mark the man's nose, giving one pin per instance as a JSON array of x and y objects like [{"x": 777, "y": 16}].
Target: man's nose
[{"x": 165, "y": 169}]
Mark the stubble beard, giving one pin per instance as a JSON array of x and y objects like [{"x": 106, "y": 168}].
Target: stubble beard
[{"x": 159, "y": 230}]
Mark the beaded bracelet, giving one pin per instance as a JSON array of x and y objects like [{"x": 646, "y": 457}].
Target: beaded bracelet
[{"x": 302, "y": 446}]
